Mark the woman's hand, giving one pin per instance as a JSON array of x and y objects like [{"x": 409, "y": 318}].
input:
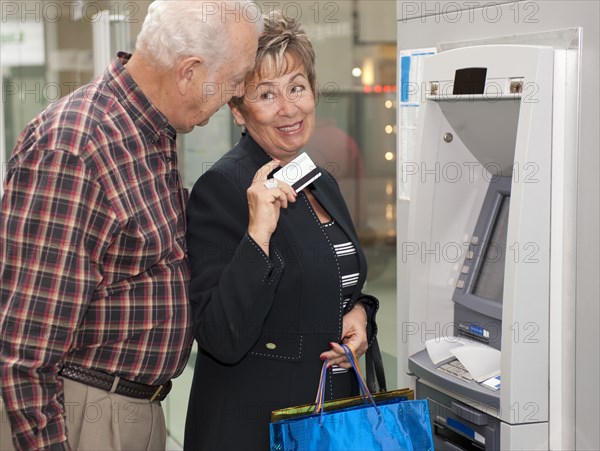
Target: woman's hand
[
  {"x": 264, "y": 204},
  {"x": 354, "y": 333}
]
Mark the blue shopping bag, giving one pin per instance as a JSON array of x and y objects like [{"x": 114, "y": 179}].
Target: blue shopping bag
[{"x": 395, "y": 424}]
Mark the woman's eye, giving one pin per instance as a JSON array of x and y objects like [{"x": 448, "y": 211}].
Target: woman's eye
[
  {"x": 298, "y": 88},
  {"x": 268, "y": 95}
]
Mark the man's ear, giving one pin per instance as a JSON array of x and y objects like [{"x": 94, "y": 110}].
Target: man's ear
[
  {"x": 187, "y": 70},
  {"x": 238, "y": 117}
]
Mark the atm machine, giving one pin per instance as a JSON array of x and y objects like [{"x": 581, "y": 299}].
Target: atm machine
[
  {"x": 490, "y": 253},
  {"x": 483, "y": 257}
]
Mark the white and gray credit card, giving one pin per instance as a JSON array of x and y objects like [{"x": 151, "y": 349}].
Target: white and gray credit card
[{"x": 299, "y": 172}]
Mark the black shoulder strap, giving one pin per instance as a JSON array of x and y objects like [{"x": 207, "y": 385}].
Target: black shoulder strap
[{"x": 375, "y": 368}]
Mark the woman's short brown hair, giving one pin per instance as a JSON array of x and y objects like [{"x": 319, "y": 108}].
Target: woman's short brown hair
[{"x": 283, "y": 43}]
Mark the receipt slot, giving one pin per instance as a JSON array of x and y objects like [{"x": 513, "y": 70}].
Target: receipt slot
[{"x": 479, "y": 240}]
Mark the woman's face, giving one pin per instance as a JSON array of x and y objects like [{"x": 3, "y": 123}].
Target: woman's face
[{"x": 279, "y": 113}]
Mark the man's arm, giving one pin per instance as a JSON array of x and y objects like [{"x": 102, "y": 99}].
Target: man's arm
[{"x": 55, "y": 221}]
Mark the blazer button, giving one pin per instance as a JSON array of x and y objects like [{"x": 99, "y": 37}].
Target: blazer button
[{"x": 271, "y": 346}]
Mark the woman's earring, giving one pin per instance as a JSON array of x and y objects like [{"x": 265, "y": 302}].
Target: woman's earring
[{"x": 243, "y": 127}]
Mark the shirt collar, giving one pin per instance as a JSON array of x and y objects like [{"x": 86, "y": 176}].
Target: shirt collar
[{"x": 150, "y": 121}]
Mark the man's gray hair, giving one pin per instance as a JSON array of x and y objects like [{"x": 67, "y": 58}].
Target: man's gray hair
[{"x": 176, "y": 29}]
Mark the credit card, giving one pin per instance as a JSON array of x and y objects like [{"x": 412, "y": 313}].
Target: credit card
[
  {"x": 299, "y": 172},
  {"x": 492, "y": 382}
]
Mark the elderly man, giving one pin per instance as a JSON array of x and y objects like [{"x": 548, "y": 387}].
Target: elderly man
[{"x": 94, "y": 316}]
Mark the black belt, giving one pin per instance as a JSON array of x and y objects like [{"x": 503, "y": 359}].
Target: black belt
[{"x": 115, "y": 384}]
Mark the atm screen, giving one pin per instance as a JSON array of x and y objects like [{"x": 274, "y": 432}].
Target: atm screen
[
  {"x": 480, "y": 286},
  {"x": 489, "y": 281}
]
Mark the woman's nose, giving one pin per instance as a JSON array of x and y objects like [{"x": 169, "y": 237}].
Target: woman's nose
[{"x": 287, "y": 107}]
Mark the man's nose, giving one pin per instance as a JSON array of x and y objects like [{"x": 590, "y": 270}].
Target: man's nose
[{"x": 239, "y": 89}]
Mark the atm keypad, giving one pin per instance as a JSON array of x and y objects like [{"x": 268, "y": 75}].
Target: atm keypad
[{"x": 456, "y": 369}]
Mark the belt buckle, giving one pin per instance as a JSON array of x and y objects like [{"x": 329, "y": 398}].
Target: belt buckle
[{"x": 157, "y": 392}]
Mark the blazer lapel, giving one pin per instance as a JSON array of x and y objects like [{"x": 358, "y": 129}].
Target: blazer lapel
[{"x": 328, "y": 197}]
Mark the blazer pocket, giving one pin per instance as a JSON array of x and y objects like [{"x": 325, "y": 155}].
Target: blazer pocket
[{"x": 282, "y": 347}]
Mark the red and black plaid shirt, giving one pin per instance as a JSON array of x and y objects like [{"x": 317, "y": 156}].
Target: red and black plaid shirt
[{"x": 93, "y": 267}]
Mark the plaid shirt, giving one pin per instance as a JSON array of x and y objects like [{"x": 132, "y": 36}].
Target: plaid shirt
[{"x": 93, "y": 267}]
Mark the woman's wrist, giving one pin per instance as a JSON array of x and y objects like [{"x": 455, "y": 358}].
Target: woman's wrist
[
  {"x": 261, "y": 238},
  {"x": 359, "y": 306}
]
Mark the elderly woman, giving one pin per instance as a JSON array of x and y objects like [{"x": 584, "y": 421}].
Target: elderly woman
[{"x": 276, "y": 274}]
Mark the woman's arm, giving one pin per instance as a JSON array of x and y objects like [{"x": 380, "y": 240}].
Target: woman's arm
[{"x": 233, "y": 278}]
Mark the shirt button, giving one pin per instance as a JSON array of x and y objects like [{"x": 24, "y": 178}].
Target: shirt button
[{"x": 271, "y": 346}]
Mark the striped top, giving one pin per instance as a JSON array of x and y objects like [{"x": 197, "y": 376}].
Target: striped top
[{"x": 347, "y": 257}]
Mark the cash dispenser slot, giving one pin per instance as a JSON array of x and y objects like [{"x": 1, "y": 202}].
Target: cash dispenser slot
[{"x": 457, "y": 426}]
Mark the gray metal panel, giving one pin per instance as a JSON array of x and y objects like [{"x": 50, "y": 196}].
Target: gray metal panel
[
  {"x": 442, "y": 406},
  {"x": 421, "y": 365},
  {"x": 450, "y": 10},
  {"x": 487, "y": 129},
  {"x": 515, "y": 19}
]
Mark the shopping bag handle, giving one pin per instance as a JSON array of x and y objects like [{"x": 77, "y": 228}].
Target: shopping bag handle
[
  {"x": 321, "y": 391},
  {"x": 366, "y": 394}
]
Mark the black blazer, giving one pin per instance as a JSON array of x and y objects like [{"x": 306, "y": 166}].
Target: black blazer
[{"x": 261, "y": 323}]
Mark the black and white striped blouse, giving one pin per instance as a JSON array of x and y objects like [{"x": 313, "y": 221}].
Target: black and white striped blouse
[
  {"x": 348, "y": 263},
  {"x": 346, "y": 257}
]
